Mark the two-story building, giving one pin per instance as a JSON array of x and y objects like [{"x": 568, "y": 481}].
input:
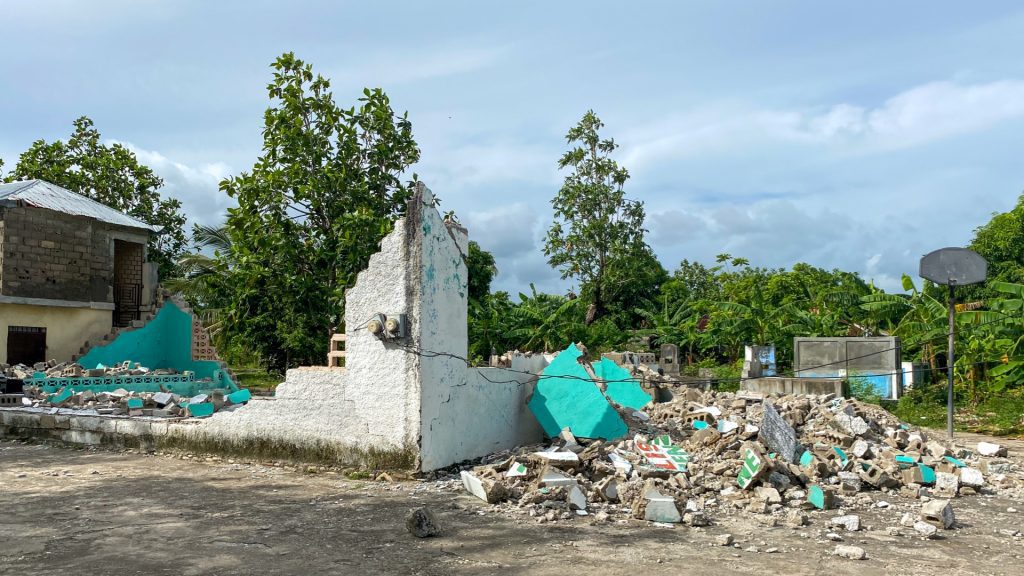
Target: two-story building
[{"x": 71, "y": 269}]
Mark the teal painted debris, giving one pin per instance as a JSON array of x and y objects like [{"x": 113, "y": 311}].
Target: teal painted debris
[
  {"x": 819, "y": 498},
  {"x": 200, "y": 410},
  {"x": 622, "y": 387},
  {"x": 135, "y": 403},
  {"x": 567, "y": 397},
  {"x": 927, "y": 474},
  {"x": 239, "y": 397},
  {"x": 64, "y": 395},
  {"x": 905, "y": 461}
]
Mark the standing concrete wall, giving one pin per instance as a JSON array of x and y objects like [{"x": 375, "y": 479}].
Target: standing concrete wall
[
  {"x": 874, "y": 360},
  {"x": 412, "y": 400}
]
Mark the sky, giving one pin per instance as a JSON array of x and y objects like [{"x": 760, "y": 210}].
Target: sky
[{"x": 855, "y": 135}]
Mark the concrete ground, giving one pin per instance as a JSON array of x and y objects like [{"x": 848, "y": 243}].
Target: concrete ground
[{"x": 67, "y": 512}]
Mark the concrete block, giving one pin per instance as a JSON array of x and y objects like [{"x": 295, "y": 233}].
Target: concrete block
[
  {"x": 850, "y": 552},
  {"x": 938, "y": 513},
  {"x": 972, "y": 478},
  {"x": 239, "y": 396},
  {"x": 821, "y": 498},
  {"x": 752, "y": 469}
]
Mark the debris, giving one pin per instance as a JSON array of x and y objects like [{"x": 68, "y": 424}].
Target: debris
[
  {"x": 990, "y": 449},
  {"x": 850, "y": 552},
  {"x": 779, "y": 436},
  {"x": 925, "y": 529},
  {"x": 849, "y": 522},
  {"x": 486, "y": 489},
  {"x": 938, "y": 513},
  {"x": 421, "y": 524}
]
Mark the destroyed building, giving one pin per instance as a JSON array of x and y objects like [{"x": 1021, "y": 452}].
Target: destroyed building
[{"x": 71, "y": 270}]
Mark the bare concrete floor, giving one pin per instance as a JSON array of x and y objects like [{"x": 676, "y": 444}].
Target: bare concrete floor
[{"x": 70, "y": 512}]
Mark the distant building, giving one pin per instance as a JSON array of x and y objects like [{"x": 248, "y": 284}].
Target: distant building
[{"x": 71, "y": 269}]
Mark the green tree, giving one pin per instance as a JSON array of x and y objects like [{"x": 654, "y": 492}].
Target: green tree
[
  {"x": 481, "y": 270},
  {"x": 110, "y": 174},
  {"x": 313, "y": 209},
  {"x": 596, "y": 228},
  {"x": 1001, "y": 242}
]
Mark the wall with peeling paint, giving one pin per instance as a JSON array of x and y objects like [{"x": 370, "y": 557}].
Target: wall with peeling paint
[{"x": 410, "y": 395}]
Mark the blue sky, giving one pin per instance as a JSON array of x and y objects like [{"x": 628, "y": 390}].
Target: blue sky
[{"x": 850, "y": 135}]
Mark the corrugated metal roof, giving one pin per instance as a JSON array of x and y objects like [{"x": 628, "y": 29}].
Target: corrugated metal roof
[{"x": 42, "y": 194}]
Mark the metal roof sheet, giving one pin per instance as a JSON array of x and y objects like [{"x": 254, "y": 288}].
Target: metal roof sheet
[{"x": 42, "y": 194}]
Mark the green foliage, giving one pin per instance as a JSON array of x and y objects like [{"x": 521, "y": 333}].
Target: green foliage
[
  {"x": 323, "y": 193},
  {"x": 481, "y": 269},
  {"x": 112, "y": 175},
  {"x": 1001, "y": 243},
  {"x": 863, "y": 390},
  {"x": 597, "y": 231}
]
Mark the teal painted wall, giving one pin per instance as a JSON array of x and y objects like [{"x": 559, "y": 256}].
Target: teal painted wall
[
  {"x": 567, "y": 397},
  {"x": 164, "y": 342}
]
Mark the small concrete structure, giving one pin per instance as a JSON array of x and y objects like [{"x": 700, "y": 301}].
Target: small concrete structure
[{"x": 873, "y": 360}]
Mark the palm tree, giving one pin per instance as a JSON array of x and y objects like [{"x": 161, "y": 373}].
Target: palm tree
[{"x": 204, "y": 273}]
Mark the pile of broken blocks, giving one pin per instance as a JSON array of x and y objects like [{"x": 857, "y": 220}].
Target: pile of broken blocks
[
  {"x": 119, "y": 402},
  {"x": 711, "y": 453}
]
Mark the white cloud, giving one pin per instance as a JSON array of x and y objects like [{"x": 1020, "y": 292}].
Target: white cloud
[
  {"x": 197, "y": 187},
  {"x": 919, "y": 115},
  {"x": 780, "y": 233}
]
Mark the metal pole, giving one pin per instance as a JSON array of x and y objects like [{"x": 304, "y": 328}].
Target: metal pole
[{"x": 949, "y": 365}]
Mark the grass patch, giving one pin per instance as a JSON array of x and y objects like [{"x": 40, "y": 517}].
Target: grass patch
[
  {"x": 259, "y": 382},
  {"x": 926, "y": 406}
]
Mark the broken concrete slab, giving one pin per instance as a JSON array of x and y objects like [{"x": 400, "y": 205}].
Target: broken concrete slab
[
  {"x": 779, "y": 436},
  {"x": 567, "y": 397},
  {"x": 485, "y": 489}
]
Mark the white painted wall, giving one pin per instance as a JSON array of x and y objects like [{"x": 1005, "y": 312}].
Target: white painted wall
[{"x": 388, "y": 396}]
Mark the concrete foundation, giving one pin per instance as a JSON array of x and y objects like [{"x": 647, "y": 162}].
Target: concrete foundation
[{"x": 794, "y": 385}]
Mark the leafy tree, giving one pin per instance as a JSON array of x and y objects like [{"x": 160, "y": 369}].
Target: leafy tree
[
  {"x": 481, "y": 270},
  {"x": 313, "y": 209},
  {"x": 110, "y": 174},
  {"x": 1001, "y": 242},
  {"x": 596, "y": 228}
]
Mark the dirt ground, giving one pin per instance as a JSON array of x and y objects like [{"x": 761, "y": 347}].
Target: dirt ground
[{"x": 68, "y": 512}]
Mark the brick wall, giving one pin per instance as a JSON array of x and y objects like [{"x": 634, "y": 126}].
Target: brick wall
[{"x": 47, "y": 254}]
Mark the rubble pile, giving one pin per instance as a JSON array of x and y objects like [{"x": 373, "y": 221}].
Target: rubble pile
[
  {"x": 120, "y": 401},
  {"x": 54, "y": 369},
  {"x": 711, "y": 453}
]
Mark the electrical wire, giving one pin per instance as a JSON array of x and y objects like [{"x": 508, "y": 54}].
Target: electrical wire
[{"x": 424, "y": 353}]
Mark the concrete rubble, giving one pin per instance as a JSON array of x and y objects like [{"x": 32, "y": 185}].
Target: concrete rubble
[
  {"x": 119, "y": 401},
  {"x": 707, "y": 454}
]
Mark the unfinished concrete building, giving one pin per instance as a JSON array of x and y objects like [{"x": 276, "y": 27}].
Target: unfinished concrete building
[{"x": 71, "y": 269}]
